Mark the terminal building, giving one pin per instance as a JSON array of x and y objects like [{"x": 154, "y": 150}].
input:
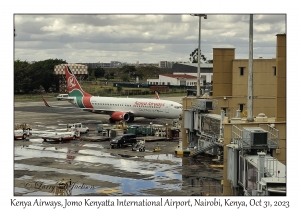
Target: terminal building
[{"x": 252, "y": 149}]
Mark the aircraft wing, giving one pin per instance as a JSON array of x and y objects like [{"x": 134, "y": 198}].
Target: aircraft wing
[{"x": 59, "y": 107}]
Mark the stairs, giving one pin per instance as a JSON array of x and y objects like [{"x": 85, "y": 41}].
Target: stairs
[{"x": 204, "y": 149}]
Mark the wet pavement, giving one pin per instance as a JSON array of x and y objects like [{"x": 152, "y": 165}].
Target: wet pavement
[{"x": 93, "y": 168}]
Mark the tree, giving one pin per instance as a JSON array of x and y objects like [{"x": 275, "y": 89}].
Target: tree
[
  {"x": 130, "y": 70},
  {"x": 125, "y": 78},
  {"x": 44, "y": 72},
  {"x": 119, "y": 89},
  {"x": 194, "y": 56},
  {"x": 22, "y": 78},
  {"x": 147, "y": 72},
  {"x": 29, "y": 77},
  {"x": 99, "y": 72}
]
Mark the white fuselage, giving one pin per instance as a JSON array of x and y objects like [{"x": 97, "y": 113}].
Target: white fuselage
[{"x": 138, "y": 107}]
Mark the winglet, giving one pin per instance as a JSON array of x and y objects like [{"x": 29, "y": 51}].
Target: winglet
[
  {"x": 45, "y": 102},
  {"x": 156, "y": 95}
]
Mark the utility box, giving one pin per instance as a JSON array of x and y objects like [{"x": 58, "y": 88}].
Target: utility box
[
  {"x": 204, "y": 104},
  {"x": 189, "y": 120}
]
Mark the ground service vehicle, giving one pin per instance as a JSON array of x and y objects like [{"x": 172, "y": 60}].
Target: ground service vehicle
[
  {"x": 61, "y": 136},
  {"x": 139, "y": 145},
  {"x": 79, "y": 127},
  {"x": 62, "y": 96},
  {"x": 123, "y": 140},
  {"x": 20, "y": 134}
]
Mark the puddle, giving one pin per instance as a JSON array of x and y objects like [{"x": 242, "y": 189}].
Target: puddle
[
  {"x": 169, "y": 157},
  {"x": 46, "y": 181},
  {"x": 21, "y": 190},
  {"x": 93, "y": 145},
  {"x": 24, "y": 177},
  {"x": 91, "y": 157},
  {"x": 127, "y": 186},
  {"x": 94, "y": 153},
  {"x": 156, "y": 175},
  {"x": 38, "y": 140}
]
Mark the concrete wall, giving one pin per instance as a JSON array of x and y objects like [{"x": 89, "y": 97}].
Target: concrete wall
[
  {"x": 222, "y": 70},
  {"x": 264, "y": 87},
  {"x": 281, "y": 77}
]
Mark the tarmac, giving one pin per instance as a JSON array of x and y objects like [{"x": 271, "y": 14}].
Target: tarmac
[{"x": 96, "y": 169}]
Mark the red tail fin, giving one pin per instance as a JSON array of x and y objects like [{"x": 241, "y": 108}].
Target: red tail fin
[
  {"x": 45, "y": 102},
  {"x": 156, "y": 95},
  {"x": 74, "y": 87}
]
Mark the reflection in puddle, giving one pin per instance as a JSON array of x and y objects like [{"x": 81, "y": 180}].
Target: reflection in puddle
[
  {"x": 93, "y": 145},
  {"x": 169, "y": 157},
  {"x": 156, "y": 174},
  {"x": 128, "y": 186},
  {"x": 99, "y": 158},
  {"x": 24, "y": 177}
]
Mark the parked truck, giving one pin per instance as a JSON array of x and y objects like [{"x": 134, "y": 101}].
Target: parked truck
[{"x": 79, "y": 127}]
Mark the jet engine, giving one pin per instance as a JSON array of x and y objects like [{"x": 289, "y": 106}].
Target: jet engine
[{"x": 118, "y": 116}]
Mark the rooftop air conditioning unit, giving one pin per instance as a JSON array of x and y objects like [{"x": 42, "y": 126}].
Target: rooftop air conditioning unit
[
  {"x": 259, "y": 138},
  {"x": 255, "y": 137}
]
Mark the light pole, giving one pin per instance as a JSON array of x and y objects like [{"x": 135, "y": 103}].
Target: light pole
[{"x": 199, "y": 52}]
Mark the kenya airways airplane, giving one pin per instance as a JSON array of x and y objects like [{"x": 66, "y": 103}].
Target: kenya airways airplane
[{"x": 119, "y": 108}]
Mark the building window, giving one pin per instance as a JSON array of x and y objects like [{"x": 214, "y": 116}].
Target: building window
[
  {"x": 241, "y": 107},
  {"x": 274, "y": 68},
  {"x": 242, "y": 71},
  {"x": 224, "y": 109}
]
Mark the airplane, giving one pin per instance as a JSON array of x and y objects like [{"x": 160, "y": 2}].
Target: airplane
[
  {"x": 119, "y": 109},
  {"x": 156, "y": 95}
]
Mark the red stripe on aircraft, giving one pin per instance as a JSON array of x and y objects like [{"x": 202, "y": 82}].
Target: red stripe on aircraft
[{"x": 86, "y": 100}]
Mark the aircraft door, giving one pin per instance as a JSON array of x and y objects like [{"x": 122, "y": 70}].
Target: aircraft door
[{"x": 167, "y": 109}]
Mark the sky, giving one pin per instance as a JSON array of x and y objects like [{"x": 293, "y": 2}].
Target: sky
[{"x": 143, "y": 38}]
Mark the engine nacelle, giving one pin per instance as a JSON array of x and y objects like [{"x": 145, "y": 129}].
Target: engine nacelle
[{"x": 118, "y": 116}]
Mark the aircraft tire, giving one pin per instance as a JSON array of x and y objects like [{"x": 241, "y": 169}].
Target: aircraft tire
[{"x": 24, "y": 136}]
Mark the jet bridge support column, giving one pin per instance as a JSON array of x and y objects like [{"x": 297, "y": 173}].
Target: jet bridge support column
[{"x": 261, "y": 169}]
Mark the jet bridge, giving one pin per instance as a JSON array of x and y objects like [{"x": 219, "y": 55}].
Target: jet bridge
[
  {"x": 251, "y": 169},
  {"x": 203, "y": 129}
]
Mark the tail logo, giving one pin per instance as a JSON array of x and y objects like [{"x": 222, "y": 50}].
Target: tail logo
[{"x": 71, "y": 82}]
